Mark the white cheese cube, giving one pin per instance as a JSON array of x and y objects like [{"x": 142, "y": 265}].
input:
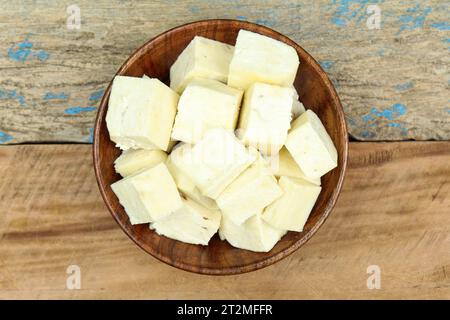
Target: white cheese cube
[
  {"x": 205, "y": 104},
  {"x": 292, "y": 209},
  {"x": 192, "y": 223},
  {"x": 148, "y": 195},
  {"x": 311, "y": 146},
  {"x": 203, "y": 58},
  {"x": 132, "y": 160},
  {"x": 282, "y": 164},
  {"x": 249, "y": 193},
  {"x": 254, "y": 234},
  {"x": 184, "y": 183},
  {"x": 140, "y": 113},
  {"x": 214, "y": 162},
  {"x": 172, "y": 143},
  {"x": 266, "y": 117},
  {"x": 297, "y": 107},
  {"x": 258, "y": 58}
]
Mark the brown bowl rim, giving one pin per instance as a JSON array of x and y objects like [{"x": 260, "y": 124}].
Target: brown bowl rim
[{"x": 254, "y": 265}]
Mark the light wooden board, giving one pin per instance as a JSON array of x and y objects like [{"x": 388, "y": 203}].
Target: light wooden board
[
  {"x": 394, "y": 212},
  {"x": 393, "y": 82}
]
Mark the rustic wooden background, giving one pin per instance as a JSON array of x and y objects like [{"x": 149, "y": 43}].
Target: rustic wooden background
[
  {"x": 394, "y": 211},
  {"x": 393, "y": 82},
  {"x": 53, "y": 217}
]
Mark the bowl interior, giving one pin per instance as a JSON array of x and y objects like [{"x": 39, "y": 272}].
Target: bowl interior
[{"x": 316, "y": 92}]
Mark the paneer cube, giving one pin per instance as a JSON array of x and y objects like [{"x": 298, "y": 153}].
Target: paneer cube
[
  {"x": 282, "y": 164},
  {"x": 205, "y": 104},
  {"x": 193, "y": 223},
  {"x": 292, "y": 209},
  {"x": 183, "y": 182},
  {"x": 249, "y": 193},
  {"x": 258, "y": 58},
  {"x": 297, "y": 107},
  {"x": 140, "y": 113},
  {"x": 254, "y": 234},
  {"x": 134, "y": 160},
  {"x": 148, "y": 195},
  {"x": 214, "y": 162},
  {"x": 203, "y": 58},
  {"x": 266, "y": 117},
  {"x": 310, "y": 145},
  {"x": 172, "y": 143}
]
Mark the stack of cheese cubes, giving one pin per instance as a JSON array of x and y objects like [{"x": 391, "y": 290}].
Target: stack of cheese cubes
[{"x": 227, "y": 148}]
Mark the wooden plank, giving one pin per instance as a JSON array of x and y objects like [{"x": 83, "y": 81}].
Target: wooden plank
[
  {"x": 393, "y": 212},
  {"x": 393, "y": 82}
]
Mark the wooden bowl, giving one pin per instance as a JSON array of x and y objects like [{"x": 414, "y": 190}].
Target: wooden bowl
[{"x": 219, "y": 258}]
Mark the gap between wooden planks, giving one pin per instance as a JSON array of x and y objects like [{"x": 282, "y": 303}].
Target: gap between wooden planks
[{"x": 394, "y": 212}]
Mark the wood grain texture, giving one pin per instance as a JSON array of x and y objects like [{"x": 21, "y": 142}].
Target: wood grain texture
[
  {"x": 393, "y": 82},
  {"x": 393, "y": 212},
  {"x": 316, "y": 91}
]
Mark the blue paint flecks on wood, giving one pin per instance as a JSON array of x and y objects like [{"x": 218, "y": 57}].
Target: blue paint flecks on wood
[
  {"x": 404, "y": 86},
  {"x": 97, "y": 95},
  {"x": 351, "y": 120},
  {"x": 340, "y": 16},
  {"x": 367, "y": 134},
  {"x": 266, "y": 22},
  {"x": 444, "y": 26},
  {"x": 24, "y": 51},
  {"x": 394, "y": 112},
  {"x": 41, "y": 55},
  {"x": 78, "y": 110},
  {"x": 414, "y": 18},
  {"x": 370, "y": 116},
  {"x": 350, "y": 10},
  {"x": 12, "y": 95},
  {"x": 194, "y": 9},
  {"x": 390, "y": 114},
  {"x": 91, "y": 136},
  {"x": 326, "y": 64},
  {"x": 339, "y": 21},
  {"x": 21, "y": 51},
  {"x": 243, "y": 18},
  {"x": 381, "y": 52},
  {"x": 56, "y": 96},
  {"x": 268, "y": 19},
  {"x": 4, "y": 137}
]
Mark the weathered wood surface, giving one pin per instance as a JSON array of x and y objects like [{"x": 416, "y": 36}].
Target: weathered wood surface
[
  {"x": 393, "y": 82},
  {"x": 394, "y": 212}
]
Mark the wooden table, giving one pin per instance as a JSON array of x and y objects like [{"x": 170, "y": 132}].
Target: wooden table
[{"x": 394, "y": 211}]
